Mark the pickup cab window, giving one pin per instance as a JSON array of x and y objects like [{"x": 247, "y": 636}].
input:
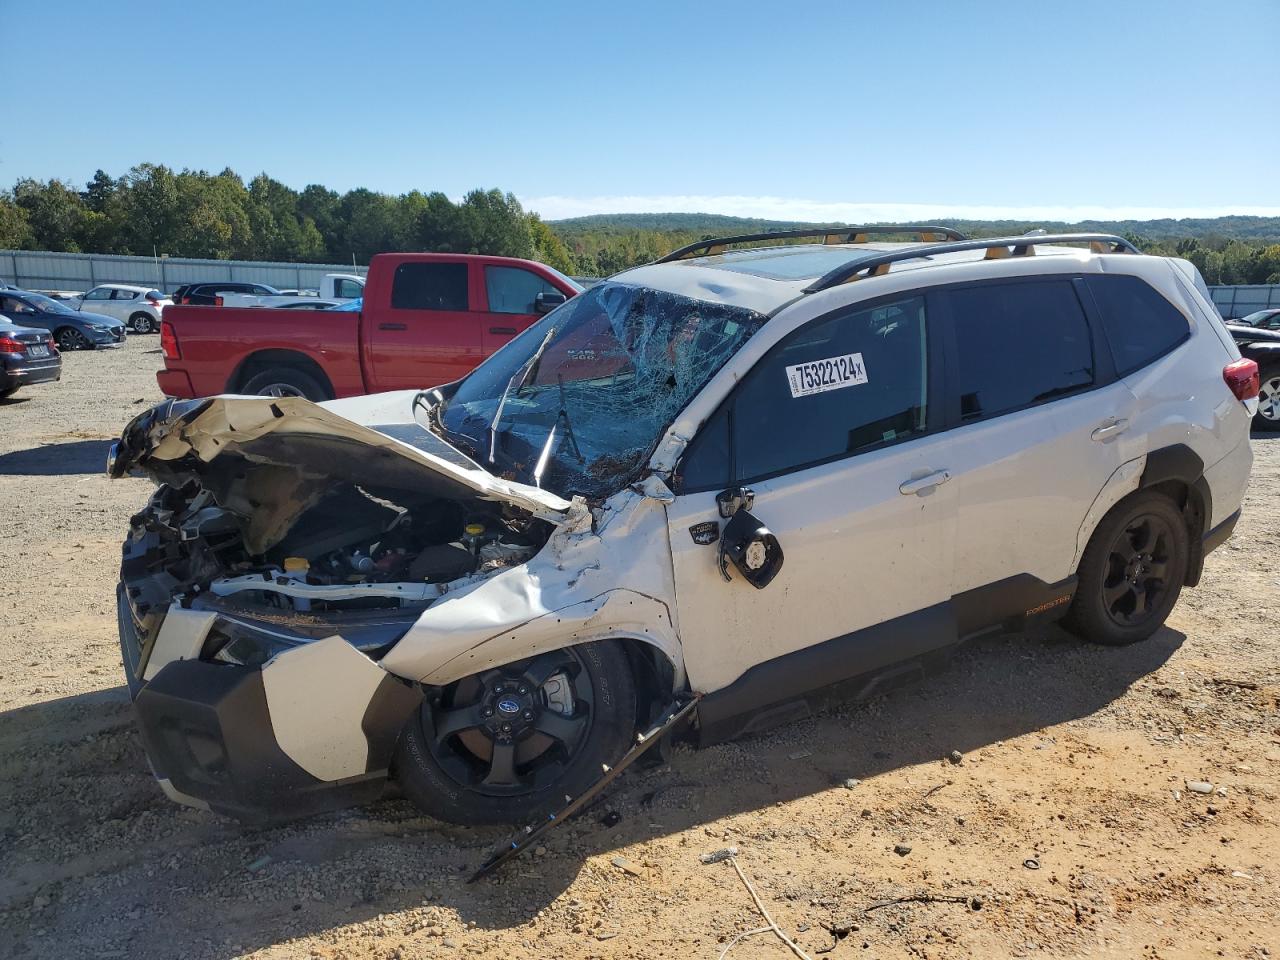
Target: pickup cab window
[
  {"x": 513, "y": 290},
  {"x": 430, "y": 286}
]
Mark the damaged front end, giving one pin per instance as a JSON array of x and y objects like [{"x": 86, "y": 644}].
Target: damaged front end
[{"x": 285, "y": 551}]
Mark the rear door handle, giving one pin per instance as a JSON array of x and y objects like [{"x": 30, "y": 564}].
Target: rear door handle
[
  {"x": 927, "y": 482},
  {"x": 392, "y": 326},
  {"x": 502, "y": 330},
  {"x": 1112, "y": 428}
]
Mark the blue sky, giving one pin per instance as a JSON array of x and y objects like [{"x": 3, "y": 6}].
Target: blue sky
[{"x": 805, "y": 110}]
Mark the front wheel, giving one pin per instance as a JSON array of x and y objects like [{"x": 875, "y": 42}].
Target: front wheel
[
  {"x": 1131, "y": 572},
  {"x": 69, "y": 338},
  {"x": 509, "y": 745},
  {"x": 142, "y": 323},
  {"x": 1268, "y": 415}
]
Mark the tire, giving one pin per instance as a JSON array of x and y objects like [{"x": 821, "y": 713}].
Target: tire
[
  {"x": 286, "y": 382},
  {"x": 69, "y": 338},
  {"x": 142, "y": 323},
  {"x": 448, "y": 775},
  {"x": 1143, "y": 538},
  {"x": 1268, "y": 416}
]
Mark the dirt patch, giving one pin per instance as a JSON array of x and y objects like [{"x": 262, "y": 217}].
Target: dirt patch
[{"x": 1067, "y": 821}]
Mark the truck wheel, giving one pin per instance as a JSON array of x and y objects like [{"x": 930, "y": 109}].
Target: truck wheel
[
  {"x": 1268, "y": 415},
  {"x": 1131, "y": 572},
  {"x": 508, "y": 745},
  {"x": 142, "y": 323},
  {"x": 286, "y": 382}
]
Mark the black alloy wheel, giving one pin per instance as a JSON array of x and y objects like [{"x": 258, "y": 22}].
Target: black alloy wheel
[
  {"x": 511, "y": 730},
  {"x": 1132, "y": 571},
  {"x": 1138, "y": 570},
  {"x": 508, "y": 744},
  {"x": 69, "y": 338}
]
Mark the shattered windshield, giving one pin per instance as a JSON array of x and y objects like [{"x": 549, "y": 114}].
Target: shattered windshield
[{"x": 576, "y": 403}]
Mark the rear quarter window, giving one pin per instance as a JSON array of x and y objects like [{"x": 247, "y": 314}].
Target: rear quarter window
[{"x": 1140, "y": 324}]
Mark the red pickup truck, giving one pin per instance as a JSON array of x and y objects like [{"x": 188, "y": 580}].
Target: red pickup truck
[{"x": 426, "y": 319}]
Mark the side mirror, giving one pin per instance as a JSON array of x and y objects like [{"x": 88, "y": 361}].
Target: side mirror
[
  {"x": 546, "y": 302},
  {"x": 751, "y": 548}
]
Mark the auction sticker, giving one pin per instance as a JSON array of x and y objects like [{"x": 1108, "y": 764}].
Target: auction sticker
[{"x": 819, "y": 376}]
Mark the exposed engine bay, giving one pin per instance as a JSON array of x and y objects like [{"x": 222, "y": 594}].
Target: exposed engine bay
[{"x": 312, "y": 534}]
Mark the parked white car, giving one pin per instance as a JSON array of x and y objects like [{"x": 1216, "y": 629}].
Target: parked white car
[
  {"x": 733, "y": 477},
  {"x": 138, "y": 307},
  {"x": 334, "y": 287}
]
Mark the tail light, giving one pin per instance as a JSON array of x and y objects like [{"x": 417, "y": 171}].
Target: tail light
[
  {"x": 169, "y": 341},
  {"x": 10, "y": 345},
  {"x": 52, "y": 345},
  {"x": 217, "y": 301},
  {"x": 1242, "y": 379},
  {"x": 153, "y": 301},
  {"x": 185, "y": 301}
]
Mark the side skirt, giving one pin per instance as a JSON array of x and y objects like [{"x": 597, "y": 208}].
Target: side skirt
[{"x": 874, "y": 660}]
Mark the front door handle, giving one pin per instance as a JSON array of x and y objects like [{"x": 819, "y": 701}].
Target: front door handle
[
  {"x": 392, "y": 326},
  {"x": 925, "y": 483},
  {"x": 503, "y": 330},
  {"x": 1112, "y": 428}
]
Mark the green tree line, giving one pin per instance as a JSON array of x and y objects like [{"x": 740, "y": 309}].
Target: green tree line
[{"x": 192, "y": 213}]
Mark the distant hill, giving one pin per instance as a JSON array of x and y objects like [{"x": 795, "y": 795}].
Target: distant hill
[{"x": 1252, "y": 229}]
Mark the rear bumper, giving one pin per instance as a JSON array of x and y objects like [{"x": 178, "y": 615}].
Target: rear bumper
[
  {"x": 37, "y": 371},
  {"x": 208, "y": 734},
  {"x": 175, "y": 383}
]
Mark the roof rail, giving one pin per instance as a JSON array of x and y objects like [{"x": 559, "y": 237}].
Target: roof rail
[
  {"x": 997, "y": 248},
  {"x": 830, "y": 235}
]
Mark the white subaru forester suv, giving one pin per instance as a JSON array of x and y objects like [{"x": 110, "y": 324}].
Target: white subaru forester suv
[{"x": 709, "y": 487}]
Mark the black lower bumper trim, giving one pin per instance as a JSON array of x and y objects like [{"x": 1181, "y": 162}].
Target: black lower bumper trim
[
  {"x": 207, "y": 731},
  {"x": 1221, "y": 533}
]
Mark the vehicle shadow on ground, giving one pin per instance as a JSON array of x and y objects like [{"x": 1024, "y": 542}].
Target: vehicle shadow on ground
[
  {"x": 56, "y": 459},
  {"x": 995, "y": 689},
  {"x": 13, "y": 401}
]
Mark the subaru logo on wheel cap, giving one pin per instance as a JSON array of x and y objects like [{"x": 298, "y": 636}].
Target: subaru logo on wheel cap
[{"x": 509, "y": 706}]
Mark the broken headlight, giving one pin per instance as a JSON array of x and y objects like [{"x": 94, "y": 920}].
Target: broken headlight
[{"x": 230, "y": 641}]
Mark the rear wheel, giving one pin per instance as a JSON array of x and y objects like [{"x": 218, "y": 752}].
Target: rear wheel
[
  {"x": 1132, "y": 571},
  {"x": 142, "y": 323},
  {"x": 69, "y": 338},
  {"x": 1268, "y": 415},
  {"x": 286, "y": 382},
  {"x": 508, "y": 745}
]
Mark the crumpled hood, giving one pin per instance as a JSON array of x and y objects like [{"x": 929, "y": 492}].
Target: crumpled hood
[{"x": 378, "y": 436}]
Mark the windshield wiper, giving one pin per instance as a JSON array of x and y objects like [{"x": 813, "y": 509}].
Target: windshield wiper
[
  {"x": 550, "y": 441},
  {"x": 521, "y": 375}
]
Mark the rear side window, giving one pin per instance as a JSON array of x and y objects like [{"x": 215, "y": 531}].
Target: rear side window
[
  {"x": 833, "y": 388},
  {"x": 1017, "y": 345},
  {"x": 1140, "y": 324},
  {"x": 125, "y": 294},
  {"x": 430, "y": 286}
]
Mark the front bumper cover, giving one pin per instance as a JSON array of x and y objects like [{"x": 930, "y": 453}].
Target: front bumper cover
[{"x": 208, "y": 734}]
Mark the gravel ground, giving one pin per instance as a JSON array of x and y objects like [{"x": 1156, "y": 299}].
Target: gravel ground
[{"x": 1065, "y": 828}]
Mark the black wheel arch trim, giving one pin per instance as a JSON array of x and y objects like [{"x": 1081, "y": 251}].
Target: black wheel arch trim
[{"x": 1178, "y": 463}]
